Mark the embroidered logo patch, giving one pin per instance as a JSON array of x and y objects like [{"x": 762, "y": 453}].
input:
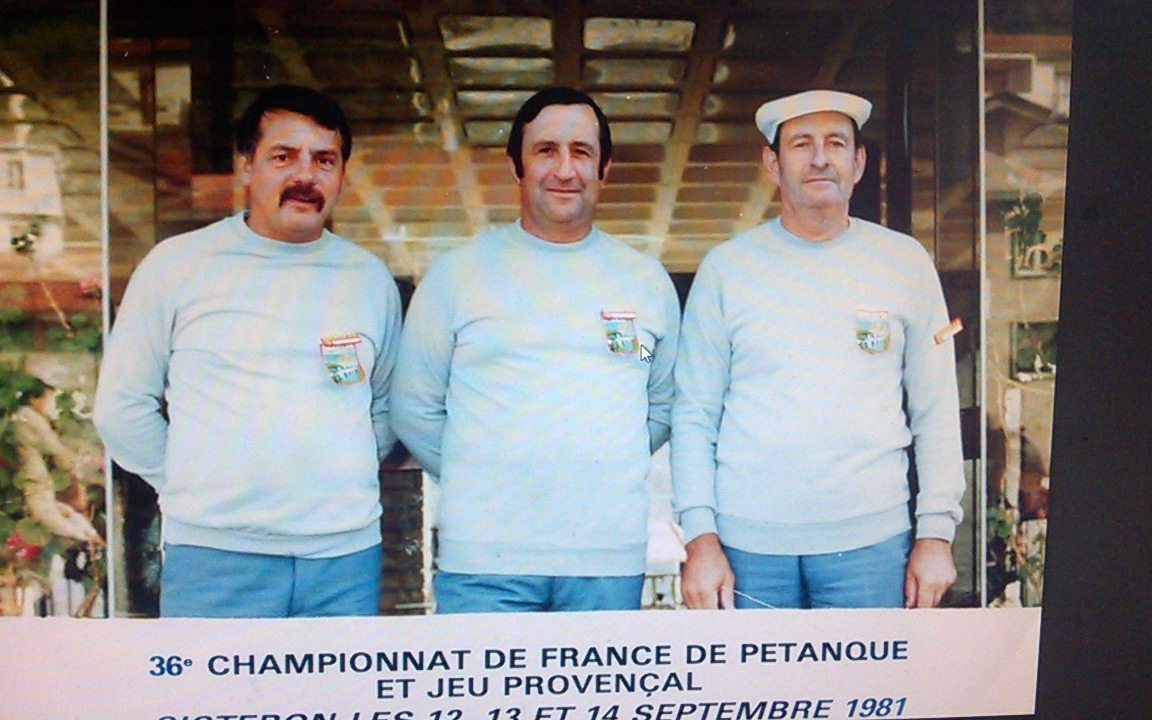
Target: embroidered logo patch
[
  {"x": 873, "y": 330},
  {"x": 620, "y": 332},
  {"x": 342, "y": 359}
]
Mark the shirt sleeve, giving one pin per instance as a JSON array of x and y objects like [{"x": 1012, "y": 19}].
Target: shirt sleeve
[
  {"x": 934, "y": 414},
  {"x": 661, "y": 388},
  {"x": 383, "y": 366},
  {"x": 702, "y": 371},
  {"x": 129, "y": 404},
  {"x": 420, "y": 385}
]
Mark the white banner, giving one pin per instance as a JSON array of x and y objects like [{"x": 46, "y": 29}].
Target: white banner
[{"x": 656, "y": 665}]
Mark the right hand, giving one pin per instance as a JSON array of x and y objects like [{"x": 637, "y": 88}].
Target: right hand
[{"x": 706, "y": 578}]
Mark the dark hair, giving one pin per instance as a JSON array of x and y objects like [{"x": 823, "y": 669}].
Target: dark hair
[
  {"x": 33, "y": 388},
  {"x": 857, "y": 136},
  {"x": 297, "y": 99},
  {"x": 555, "y": 96}
]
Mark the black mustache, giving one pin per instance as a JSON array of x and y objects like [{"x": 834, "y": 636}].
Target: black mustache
[{"x": 303, "y": 193}]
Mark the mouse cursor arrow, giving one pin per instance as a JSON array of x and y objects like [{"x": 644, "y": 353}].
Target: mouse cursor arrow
[{"x": 645, "y": 354}]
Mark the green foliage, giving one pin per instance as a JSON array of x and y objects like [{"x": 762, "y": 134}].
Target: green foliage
[
  {"x": 1032, "y": 563},
  {"x": 15, "y": 330},
  {"x": 18, "y": 332},
  {"x": 86, "y": 335},
  {"x": 1022, "y": 218},
  {"x": 68, "y": 423},
  {"x": 12, "y": 505},
  {"x": 15, "y": 384},
  {"x": 32, "y": 532},
  {"x": 1000, "y": 521},
  {"x": 1036, "y": 346}
]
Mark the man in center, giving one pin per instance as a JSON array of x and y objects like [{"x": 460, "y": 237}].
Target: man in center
[{"x": 535, "y": 379}]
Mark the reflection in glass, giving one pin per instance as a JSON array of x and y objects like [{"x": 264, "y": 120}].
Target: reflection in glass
[
  {"x": 472, "y": 32},
  {"x": 53, "y": 509},
  {"x": 633, "y": 104},
  {"x": 489, "y": 103},
  {"x": 638, "y": 35},
  {"x": 1027, "y": 71},
  {"x": 501, "y": 72},
  {"x": 637, "y": 72}
]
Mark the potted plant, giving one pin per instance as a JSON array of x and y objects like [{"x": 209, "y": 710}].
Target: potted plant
[{"x": 1033, "y": 255}]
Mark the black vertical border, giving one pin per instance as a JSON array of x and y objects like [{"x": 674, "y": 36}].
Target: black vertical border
[{"x": 1095, "y": 659}]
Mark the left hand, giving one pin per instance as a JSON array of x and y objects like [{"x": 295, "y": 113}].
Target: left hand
[{"x": 929, "y": 573}]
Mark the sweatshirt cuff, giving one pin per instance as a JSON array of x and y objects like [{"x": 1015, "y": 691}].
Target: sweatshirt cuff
[
  {"x": 936, "y": 525},
  {"x": 697, "y": 521}
]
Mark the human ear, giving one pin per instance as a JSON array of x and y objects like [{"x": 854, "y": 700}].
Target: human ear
[
  {"x": 860, "y": 161},
  {"x": 771, "y": 164},
  {"x": 512, "y": 169}
]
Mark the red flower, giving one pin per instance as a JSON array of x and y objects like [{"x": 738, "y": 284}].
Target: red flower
[{"x": 22, "y": 550}]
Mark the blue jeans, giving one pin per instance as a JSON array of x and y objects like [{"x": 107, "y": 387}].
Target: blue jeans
[
  {"x": 206, "y": 582},
  {"x": 868, "y": 577},
  {"x": 474, "y": 593}
]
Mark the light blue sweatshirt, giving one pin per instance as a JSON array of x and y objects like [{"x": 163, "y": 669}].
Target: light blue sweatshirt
[
  {"x": 789, "y": 430},
  {"x": 274, "y": 361},
  {"x": 534, "y": 379}
]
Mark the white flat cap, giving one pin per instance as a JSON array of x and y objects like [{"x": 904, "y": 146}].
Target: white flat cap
[{"x": 775, "y": 112}]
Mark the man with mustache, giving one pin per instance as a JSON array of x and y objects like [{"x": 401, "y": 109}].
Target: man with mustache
[
  {"x": 816, "y": 350},
  {"x": 247, "y": 380},
  {"x": 535, "y": 379}
]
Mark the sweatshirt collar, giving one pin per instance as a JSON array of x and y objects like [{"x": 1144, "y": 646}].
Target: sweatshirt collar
[
  {"x": 840, "y": 239},
  {"x": 272, "y": 246},
  {"x": 521, "y": 236}
]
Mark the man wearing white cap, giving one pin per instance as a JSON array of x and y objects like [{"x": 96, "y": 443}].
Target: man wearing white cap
[{"x": 815, "y": 351}]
